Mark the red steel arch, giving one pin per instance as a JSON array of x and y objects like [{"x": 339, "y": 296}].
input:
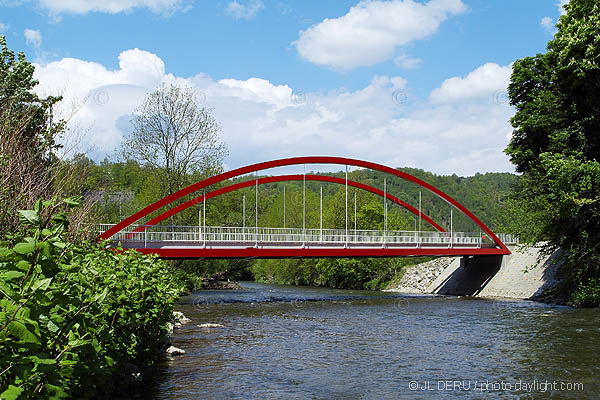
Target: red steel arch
[
  {"x": 299, "y": 161},
  {"x": 284, "y": 178}
]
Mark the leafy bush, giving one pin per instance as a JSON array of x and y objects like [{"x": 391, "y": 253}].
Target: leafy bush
[
  {"x": 343, "y": 273},
  {"x": 71, "y": 316},
  {"x": 587, "y": 294}
]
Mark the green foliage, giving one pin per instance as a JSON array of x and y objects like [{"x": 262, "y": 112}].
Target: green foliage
[
  {"x": 555, "y": 144},
  {"x": 587, "y": 294},
  {"x": 27, "y": 138},
  {"x": 71, "y": 316},
  {"x": 18, "y": 100},
  {"x": 345, "y": 273},
  {"x": 350, "y": 273},
  {"x": 286, "y": 271},
  {"x": 188, "y": 280}
]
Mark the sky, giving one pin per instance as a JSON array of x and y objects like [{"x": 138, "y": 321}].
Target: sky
[{"x": 404, "y": 83}]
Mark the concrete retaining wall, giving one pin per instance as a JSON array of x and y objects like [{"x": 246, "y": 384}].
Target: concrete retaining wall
[{"x": 521, "y": 275}]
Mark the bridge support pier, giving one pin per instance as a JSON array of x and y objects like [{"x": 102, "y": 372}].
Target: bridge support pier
[{"x": 471, "y": 276}]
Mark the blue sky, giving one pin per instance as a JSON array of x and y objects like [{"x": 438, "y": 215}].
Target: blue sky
[{"x": 406, "y": 83}]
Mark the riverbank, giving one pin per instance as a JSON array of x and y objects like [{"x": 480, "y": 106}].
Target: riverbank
[{"x": 525, "y": 274}]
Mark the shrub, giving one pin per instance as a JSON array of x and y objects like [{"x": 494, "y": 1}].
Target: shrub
[
  {"x": 587, "y": 294},
  {"x": 71, "y": 316}
]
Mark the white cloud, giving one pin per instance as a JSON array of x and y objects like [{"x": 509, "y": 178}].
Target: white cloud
[
  {"x": 486, "y": 81},
  {"x": 244, "y": 11},
  {"x": 381, "y": 122},
  {"x": 110, "y": 6},
  {"x": 33, "y": 38},
  {"x": 403, "y": 61},
  {"x": 3, "y": 27},
  {"x": 259, "y": 90},
  {"x": 561, "y": 4},
  {"x": 372, "y": 30},
  {"x": 548, "y": 24}
]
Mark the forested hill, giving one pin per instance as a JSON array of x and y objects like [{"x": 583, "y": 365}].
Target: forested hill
[{"x": 484, "y": 195}]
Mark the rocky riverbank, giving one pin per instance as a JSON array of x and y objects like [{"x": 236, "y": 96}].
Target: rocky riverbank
[
  {"x": 212, "y": 284},
  {"x": 418, "y": 278}
]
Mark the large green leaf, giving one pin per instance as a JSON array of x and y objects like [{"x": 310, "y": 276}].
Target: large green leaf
[
  {"x": 6, "y": 289},
  {"x": 10, "y": 275},
  {"x": 52, "y": 327},
  {"x": 42, "y": 360},
  {"x": 24, "y": 265},
  {"x": 20, "y": 331},
  {"x": 24, "y": 248},
  {"x": 12, "y": 393},
  {"x": 29, "y": 216},
  {"x": 71, "y": 201},
  {"x": 41, "y": 284},
  {"x": 56, "y": 392}
]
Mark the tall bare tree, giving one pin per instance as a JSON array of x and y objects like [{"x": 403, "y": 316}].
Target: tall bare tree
[{"x": 175, "y": 135}]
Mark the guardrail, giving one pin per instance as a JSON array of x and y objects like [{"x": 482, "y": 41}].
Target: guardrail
[{"x": 254, "y": 235}]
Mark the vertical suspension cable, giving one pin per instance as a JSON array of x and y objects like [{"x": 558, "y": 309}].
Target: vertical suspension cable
[
  {"x": 321, "y": 219},
  {"x": 256, "y": 209},
  {"x": 346, "y": 203},
  {"x": 384, "y": 210},
  {"x": 304, "y": 205},
  {"x": 355, "y": 215},
  {"x": 419, "y": 216},
  {"x": 451, "y": 228}
]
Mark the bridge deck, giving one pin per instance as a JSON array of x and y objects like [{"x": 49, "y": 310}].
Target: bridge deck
[{"x": 236, "y": 242}]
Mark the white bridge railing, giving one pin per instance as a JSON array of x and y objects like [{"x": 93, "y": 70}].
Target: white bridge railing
[{"x": 189, "y": 235}]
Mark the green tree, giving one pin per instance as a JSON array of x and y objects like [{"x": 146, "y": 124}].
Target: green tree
[
  {"x": 175, "y": 136},
  {"x": 555, "y": 145},
  {"x": 27, "y": 138}
]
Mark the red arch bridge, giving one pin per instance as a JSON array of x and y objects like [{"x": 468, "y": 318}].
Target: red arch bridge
[{"x": 203, "y": 241}]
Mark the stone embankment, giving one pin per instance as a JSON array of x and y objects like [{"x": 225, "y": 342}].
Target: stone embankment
[
  {"x": 524, "y": 274},
  {"x": 418, "y": 278}
]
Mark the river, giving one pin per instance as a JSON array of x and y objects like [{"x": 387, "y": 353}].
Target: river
[{"x": 283, "y": 342}]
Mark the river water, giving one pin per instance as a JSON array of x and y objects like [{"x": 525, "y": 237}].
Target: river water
[{"x": 282, "y": 342}]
